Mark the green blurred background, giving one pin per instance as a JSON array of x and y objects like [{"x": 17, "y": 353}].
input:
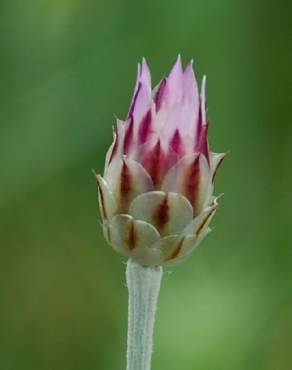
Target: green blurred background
[{"x": 66, "y": 67}]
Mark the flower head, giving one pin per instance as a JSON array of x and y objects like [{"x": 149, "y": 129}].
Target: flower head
[{"x": 156, "y": 195}]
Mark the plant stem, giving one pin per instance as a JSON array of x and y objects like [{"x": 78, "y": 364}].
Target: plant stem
[{"x": 143, "y": 285}]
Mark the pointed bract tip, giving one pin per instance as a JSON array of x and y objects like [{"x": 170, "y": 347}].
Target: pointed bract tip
[
  {"x": 189, "y": 77},
  {"x": 175, "y": 82},
  {"x": 145, "y": 74},
  {"x": 144, "y": 66},
  {"x": 190, "y": 65},
  {"x": 144, "y": 61},
  {"x": 178, "y": 61},
  {"x": 219, "y": 196},
  {"x": 203, "y": 101},
  {"x": 203, "y": 86},
  {"x": 189, "y": 68},
  {"x": 177, "y": 67},
  {"x": 94, "y": 173}
]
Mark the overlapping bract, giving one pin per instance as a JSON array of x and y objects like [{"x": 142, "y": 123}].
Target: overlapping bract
[{"x": 156, "y": 196}]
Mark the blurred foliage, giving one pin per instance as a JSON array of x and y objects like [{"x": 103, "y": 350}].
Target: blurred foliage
[{"x": 66, "y": 67}]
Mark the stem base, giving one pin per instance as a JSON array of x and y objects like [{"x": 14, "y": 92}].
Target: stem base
[{"x": 143, "y": 285}]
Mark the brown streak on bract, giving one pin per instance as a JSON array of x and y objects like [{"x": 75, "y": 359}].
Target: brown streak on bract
[
  {"x": 216, "y": 168},
  {"x": 109, "y": 237},
  {"x": 129, "y": 135},
  {"x": 132, "y": 236},
  {"x": 176, "y": 143},
  {"x": 178, "y": 248},
  {"x": 154, "y": 164},
  {"x": 192, "y": 182},
  {"x": 115, "y": 147},
  {"x": 125, "y": 185},
  {"x": 145, "y": 127},
  {"x": 132, "y": 107},
  {"x": 161, "y": 214},
  {"x": 203, "y": 144},
  {"x": 101, "y": 197},
  {"x": 159, "y": 95},
  {"x": 205, "y": 221}
]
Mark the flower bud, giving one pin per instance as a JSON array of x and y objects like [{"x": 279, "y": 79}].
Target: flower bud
[{"x": 156, "y": 195}]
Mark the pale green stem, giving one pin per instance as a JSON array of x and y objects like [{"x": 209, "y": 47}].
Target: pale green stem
[{"x": 143, "y": 285}]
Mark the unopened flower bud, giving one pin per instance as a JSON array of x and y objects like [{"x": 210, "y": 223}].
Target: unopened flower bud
[{"x": 156, "y": 194}]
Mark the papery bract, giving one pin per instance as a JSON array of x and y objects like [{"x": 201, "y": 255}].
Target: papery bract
[{"x": 156, "y": 194}]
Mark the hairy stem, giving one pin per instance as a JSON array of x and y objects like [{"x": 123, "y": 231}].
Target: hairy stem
[{"x": 143, "y": 285}]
